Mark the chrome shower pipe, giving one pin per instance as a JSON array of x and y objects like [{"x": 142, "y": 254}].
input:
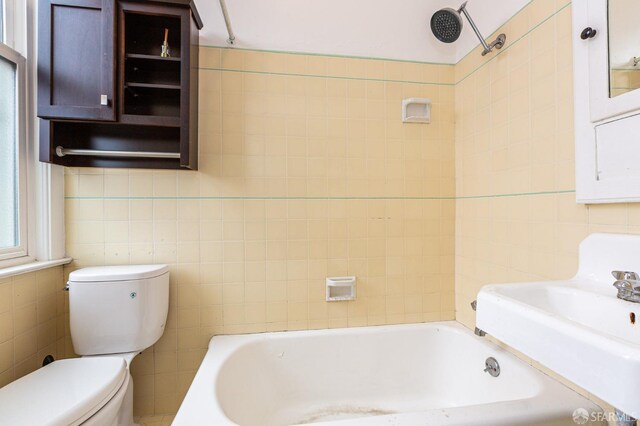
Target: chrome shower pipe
[
  {"x": 227, "y": 21},
  {"x": 463, "y": 10},
  {"x": 497, "y": 43}
]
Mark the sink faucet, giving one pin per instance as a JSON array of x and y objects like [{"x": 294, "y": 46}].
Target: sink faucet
[{"x": 628, "y": 285}]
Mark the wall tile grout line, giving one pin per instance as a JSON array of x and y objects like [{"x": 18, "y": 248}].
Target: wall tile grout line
[
  {"x": 335, "y": 77},
  {"x": 327, "y": 55}
]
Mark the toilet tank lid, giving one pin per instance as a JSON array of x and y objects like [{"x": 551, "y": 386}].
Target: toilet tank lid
[
  {"x": 117, "y": 273},
  {"x": 65, "y": 392}
]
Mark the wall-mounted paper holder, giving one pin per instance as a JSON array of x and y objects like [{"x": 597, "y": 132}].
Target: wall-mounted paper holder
[{"x": 341, "y": 288}]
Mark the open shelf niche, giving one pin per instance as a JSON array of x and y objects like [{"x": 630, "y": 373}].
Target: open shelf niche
[{"x": 146, "y": 102}]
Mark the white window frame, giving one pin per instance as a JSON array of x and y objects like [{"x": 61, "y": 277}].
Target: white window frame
[
  {"x": 10, "y": 22},
  {"x": 2, "y": 25},
  {"x": 21, "y": 250},
  {"x": 42, "y": 202}
]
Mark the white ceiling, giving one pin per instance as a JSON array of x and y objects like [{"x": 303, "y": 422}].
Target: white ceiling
[{"x": 367, "y": 28}]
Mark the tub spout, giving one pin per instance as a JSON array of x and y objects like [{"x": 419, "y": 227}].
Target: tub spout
[{"x": 479, "y": 332}]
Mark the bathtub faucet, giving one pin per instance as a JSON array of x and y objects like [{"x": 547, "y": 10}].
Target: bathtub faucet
[
  {"x": 628, "y": 285},
  {"x": 477, "y": 331}
]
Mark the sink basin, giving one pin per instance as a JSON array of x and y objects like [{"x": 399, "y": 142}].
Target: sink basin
[{"x": 578, "y": 327}]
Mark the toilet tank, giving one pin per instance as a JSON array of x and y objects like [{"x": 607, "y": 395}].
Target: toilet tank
[{"x": 117, "y": 309}]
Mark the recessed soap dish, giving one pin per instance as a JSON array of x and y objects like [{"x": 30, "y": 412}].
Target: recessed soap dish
[
  {"x": 416, "y": 110},
  {"x": 341, "y": 288}
]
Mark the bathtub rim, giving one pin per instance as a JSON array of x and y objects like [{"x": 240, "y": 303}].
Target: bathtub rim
[{"x": 221, "y": 347}]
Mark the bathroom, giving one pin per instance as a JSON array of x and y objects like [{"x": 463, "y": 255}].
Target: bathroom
[{"x": 358, "y": 213}]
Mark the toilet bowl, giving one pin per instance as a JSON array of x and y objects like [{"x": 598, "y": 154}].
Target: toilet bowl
[{"x": 115, "y": 313}]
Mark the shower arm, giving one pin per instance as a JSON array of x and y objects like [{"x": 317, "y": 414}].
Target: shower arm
[
  {"x": 498, "y": 42},
  {"x": 463, "y": 10}
]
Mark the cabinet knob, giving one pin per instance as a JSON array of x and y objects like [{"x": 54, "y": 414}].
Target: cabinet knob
[
  {"x": 104, "y": 100},
  {"x": 588, "y": 33}
]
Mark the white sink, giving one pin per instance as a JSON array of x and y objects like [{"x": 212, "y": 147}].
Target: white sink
[{"x": 577, "y": 328}]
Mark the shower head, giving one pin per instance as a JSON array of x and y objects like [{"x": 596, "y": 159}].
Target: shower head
[{"x": 446, "y": 25}]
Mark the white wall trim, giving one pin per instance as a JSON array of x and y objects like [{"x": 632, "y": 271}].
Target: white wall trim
[
  {"x": 32, "y": 267},
  {"x": 47, "y": 181}
]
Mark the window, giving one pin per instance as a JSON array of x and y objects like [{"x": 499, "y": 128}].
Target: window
[
  {"x": 31, "y": 232},
  {"x": 13, "y": 152}
]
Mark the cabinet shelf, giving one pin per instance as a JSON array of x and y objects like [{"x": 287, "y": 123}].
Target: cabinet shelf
[
  {"x": 154, "y": 86},
  {"x": 151, "y": 57},
  {"x": 150, "y": 120},
  {"x": 152, "y": 72},
  {"x": 101, "y": 137}
]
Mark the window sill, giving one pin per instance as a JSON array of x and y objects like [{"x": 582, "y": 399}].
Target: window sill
[{"x": 32, "y": 267}]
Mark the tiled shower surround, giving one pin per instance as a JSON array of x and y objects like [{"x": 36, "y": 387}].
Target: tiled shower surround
[{"x": 306, "y": 171}]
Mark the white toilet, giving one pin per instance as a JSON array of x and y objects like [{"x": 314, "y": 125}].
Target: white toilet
[{"x": 116, "y": 312}]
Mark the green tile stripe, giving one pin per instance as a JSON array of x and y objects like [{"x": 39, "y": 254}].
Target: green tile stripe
[
  {"x": 498, "y": 53},
  {"x": 326, "y": 55},
  {"x": 502, "y": 25},
  {"x": 285, "y": 198},
  {"x": 508, "y": 46},
  {"x": 374, "y": 58},
  {"x": 516, "y": 194},
  {"x": 335, "y": 77},
  {"x": 328, "y": 198}
]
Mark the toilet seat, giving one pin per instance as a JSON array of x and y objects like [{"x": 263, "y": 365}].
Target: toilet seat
[{"x": 65, "y": 392}]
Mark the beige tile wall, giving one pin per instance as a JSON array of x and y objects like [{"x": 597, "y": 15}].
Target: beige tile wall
[
  {"x": 516, "y": 216},
  {"x": 306, "y": 171},
  {"x": 33, "y": 318},
  {"x": 624, "y": 80}
]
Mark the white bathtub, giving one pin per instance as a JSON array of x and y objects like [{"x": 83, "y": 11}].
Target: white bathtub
[{"x": 418, "y": 374}]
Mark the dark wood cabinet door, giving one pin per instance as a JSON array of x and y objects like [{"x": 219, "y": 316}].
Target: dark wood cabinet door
[{"x": 76, "y": 66}]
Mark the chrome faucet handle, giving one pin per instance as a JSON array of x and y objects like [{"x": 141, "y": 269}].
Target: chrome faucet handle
[
  {"x": 625, "y": 275},
  {"x": 628, "y": 285},
  {"x": 624, "y": 285}
]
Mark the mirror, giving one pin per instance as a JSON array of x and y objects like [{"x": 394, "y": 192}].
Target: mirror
[{"x": 624, "y": 46}]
